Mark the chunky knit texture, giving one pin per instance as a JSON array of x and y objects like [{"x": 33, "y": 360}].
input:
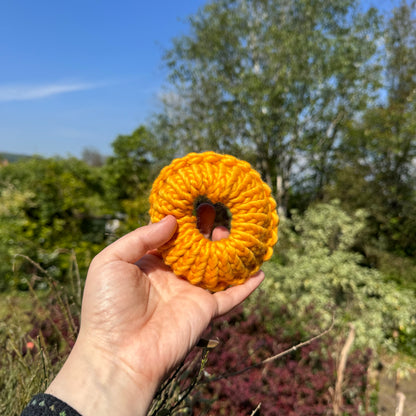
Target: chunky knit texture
[{"x": 225, "y": 180}]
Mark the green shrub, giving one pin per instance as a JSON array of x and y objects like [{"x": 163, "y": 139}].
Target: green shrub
[
  {"x": 320, "y": 269},
  {"x": 46, "y": 206}
]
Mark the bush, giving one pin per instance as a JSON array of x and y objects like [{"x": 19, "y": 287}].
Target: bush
[
  {"x": 320, "y": 267},
  {"x": 300, "y": 383},
  {"x": 47, "y": 205}
]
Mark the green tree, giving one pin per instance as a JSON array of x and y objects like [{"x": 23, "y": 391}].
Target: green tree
[
  {"x": 49, "y": 206},
  {"x": 129, "y": 167},
  {"x": 376, "y": 167},
  {"x": 93, "y": 157},
  {"x": 129, "y": 173},
  {"x": 272, "y": 81}
]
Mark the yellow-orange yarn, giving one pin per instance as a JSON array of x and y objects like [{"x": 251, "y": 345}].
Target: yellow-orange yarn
[{"x": 224, "y": 179}]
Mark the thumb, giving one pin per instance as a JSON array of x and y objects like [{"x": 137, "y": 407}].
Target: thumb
[{"x": 136, "y": 244}]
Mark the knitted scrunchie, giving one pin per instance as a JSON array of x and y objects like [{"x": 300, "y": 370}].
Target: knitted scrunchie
[{"x": 219, "y": 179}]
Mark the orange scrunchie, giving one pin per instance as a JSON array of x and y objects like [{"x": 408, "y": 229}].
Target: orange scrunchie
[{"x": 223, "y": 179}]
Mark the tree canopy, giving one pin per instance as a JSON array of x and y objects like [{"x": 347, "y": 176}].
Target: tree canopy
[{"x": 274, "y": 82}]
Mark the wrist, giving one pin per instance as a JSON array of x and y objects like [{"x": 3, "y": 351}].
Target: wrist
[{"x": 94, "y": 382}]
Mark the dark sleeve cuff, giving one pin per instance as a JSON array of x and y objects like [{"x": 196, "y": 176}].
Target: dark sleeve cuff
[{"x": 47, "y": 405}]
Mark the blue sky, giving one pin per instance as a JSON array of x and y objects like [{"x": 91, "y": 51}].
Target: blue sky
[{"x": 76, "y": 74}]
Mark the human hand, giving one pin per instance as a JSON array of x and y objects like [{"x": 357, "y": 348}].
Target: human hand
[{"x": 138, "y": 321}]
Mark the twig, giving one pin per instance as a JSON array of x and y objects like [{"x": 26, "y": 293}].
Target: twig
[
  {"x": 256, "y": 411},
  {"x": 37, "y": 265},
  {"x": 42, "y": 356},
  {"x": 76, "y": 291},
  {"x": 78, "y": 279},
  {"x": 194, "y": 382},
  {"x": 274, "y": 357},
  {"x": 64, "y": 305},
  {"x": 161, "y": 396},
  {"x": 165, "y": 395},
  {"x": 165, "y": 391},
  {"x": 41, "y": 307}
]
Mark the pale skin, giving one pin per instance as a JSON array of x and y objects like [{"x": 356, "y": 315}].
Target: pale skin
[{"x": 138, "y": 321}]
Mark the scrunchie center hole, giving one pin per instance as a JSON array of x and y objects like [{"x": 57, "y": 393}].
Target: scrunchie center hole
[{"x": 209, "y": 216}]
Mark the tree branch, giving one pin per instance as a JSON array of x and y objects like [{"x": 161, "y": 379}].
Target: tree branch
[
  {"x": 341, "y": 369},
  {"x": 274, "y": 357}
]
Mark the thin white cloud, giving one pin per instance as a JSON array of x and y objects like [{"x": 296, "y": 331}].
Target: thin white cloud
[{"x": 20, "y": 92}]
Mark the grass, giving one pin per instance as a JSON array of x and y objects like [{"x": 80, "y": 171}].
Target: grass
[
  {"x": 37, "y": 331},
  {"x": 25, "y": 366},
  {"x": 35, "y": 339}
]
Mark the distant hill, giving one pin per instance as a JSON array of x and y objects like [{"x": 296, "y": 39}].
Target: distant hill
[{"x": 11, "y": 157}]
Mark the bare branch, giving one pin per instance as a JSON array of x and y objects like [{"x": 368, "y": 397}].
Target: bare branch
[
  {"x": 337, "y": 405},
  {"x": 274, "y": 357}
]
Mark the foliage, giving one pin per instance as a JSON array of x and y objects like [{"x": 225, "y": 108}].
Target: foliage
[
  {"x": 298, "y": 384},
  {"x": 50, "y": 206},
  {"x": 272, "y": 81},
  {"x": 46, "y": 206},
  {"x": 319, "y": 267},
  {"x": 128, "y": 169},
  {"x": 375, "y": 168},
  {"x": 6, "y": 158},
  {"x": 129, "y": 173}
]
